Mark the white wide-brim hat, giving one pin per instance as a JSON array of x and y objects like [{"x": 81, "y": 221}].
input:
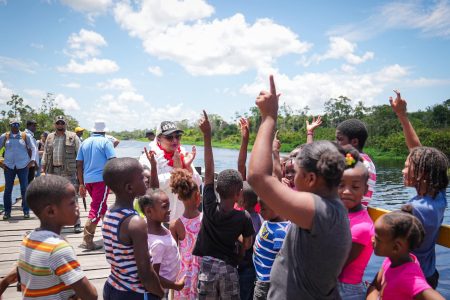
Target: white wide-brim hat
[{"x": 99, "y": 126}]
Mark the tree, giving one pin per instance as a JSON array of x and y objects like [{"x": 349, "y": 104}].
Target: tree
[{"x": 338, "y": 110}]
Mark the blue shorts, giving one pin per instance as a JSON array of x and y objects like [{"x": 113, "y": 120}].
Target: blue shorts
[{"x": 110, "y": 293}]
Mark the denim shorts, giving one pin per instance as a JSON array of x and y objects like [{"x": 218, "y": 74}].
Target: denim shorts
[
  {"x": 110, "y": 293},
  {"x": 352, "y": 291}
]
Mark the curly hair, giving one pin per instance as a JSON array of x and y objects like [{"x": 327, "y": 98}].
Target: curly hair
[
  {"x": 325, "y": 159},
  {"x": 229, "y": 183},
  {"x": 182, "y": 184},
  {"x": 354, "y": 128},
  {"x": 428, "y": 165},
  {"x": 405, "y": 225}
]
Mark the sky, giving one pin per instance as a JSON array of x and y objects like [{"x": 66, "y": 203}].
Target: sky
[{"x": 136, "y": 63}]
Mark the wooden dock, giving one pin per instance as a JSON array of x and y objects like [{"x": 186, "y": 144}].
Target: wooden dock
[{"x": 93, "y": 263}]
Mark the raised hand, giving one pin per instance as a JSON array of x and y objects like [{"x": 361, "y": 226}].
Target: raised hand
[
  {"x": 244, "y": 125},
  {"x": 151, "y": 157},
  {"x": 177, "y": 160},
  {"x": 267, "y": 102},
  {"x": 204, "y": 124},
  {"x": 398, "y": 105},
  {"x": 189, "y": 157},
  {"x": 314, "y": 124},
  {"x": 276, "y": 145}
]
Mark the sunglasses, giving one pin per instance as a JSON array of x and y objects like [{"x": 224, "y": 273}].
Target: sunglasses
[
  {"x": 171, "y": 137},
  {"x": 60, "y": 123},
  {"x": 15, "y": 125}
]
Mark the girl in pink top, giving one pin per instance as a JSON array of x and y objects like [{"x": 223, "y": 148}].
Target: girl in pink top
[
  {"x": 352, "y": 188},
  {"x": 400, "y": 276},
  {"x": 185, "y": 230}
]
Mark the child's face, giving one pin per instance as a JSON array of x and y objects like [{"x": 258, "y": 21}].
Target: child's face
[
  {"x": 147, "y": 176},
  {"x": 382, "y": 242},
  {"x": 137, "y": 183},
  {"x": 290, "y": 172},
  {"x": 267, "y": 213},
  {"x": 342, "y": 139},
  {"x": 407, "y": 172},
  {"x": 160, "y": 211},
  {"x": 67, "y": 212},
  {"x": 352, "y": 187}
]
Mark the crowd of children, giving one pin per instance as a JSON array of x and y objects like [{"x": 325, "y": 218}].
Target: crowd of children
[{"x": 293, "y": 228}]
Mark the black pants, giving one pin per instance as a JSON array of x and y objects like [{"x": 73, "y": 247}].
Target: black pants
[
  {"x": 433, "y": 280},
  {"x": 31, "y": 174}
]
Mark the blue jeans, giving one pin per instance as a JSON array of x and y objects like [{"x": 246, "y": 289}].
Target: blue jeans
[
  {"x": 247, "y": 277},
  {"x": 110, "y": 293},
  {"x": 352, "y": 291},
  {"x": 10, "y": 175}
]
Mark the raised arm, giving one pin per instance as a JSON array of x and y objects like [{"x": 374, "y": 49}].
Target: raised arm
[
  {"x": 311, "y": 127},
  {"x": 154, "y": 182},
  {"x": 244, "y": 125},
  {"x": 295, "y": 206},
  {"x": 205, "y": 127},
  {"x": 277, "y": 172},
  {"x": 399, "y": 107}
]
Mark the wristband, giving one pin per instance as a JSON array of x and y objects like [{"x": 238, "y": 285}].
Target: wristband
[{"x": 310, "y": 132}]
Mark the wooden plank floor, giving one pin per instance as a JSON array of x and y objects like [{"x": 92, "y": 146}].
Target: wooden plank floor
[{"x": 93, "y": 263}]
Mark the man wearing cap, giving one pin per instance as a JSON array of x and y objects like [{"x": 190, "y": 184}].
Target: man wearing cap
[
  {"x": 91, "y": 159},
  {"x": 19, "y": 157},
  {"x": 30, "y": 130},
  {"x": 169, "y": 155},
  {"x": 150, "y": 135},
  {"x": 60, "y": 152},
  {"x": 79, "y": 132}
]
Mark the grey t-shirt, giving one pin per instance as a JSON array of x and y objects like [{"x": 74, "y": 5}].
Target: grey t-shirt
[{"x": 310, "y": 261}]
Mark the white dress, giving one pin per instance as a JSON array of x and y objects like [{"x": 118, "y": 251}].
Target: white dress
[{"x": 164, "y": 173}]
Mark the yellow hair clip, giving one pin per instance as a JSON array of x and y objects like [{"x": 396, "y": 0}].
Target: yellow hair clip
[{"x": 349, "y": 160}]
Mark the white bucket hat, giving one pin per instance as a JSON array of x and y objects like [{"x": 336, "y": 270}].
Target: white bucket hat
[{"x": 99, "y": 126}]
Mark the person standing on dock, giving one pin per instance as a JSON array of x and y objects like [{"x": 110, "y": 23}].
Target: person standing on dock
[
  {"x": 60, "y": 152},
  {"x": 19, "y": 157},
  {"x": 30, "y": 130},
  {"x": 91, "y": 159}
]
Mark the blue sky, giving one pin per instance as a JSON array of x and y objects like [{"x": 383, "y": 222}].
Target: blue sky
[{"x": 136, "y": 63}]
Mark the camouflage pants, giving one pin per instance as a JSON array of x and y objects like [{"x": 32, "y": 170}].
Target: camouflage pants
[{"x": 217, "y": 280}]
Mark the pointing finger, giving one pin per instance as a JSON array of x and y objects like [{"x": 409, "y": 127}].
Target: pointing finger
[
  {"x": 273, "y": 89},
  {"x": 205, "y": 115}
]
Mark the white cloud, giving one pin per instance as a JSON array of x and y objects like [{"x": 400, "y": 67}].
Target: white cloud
[
  {"x": 18, "y": 64},
  {"x": 155, "y": 70},
  {"x": 129, "y": 96},
  {"x": 37, "y": 46},
  {"x": 85, "y": 44},
  {"x": 430, "y": 20},
  {"x": 94, "y": 65},
  {"x": 220, "y": 46},
  {"x": 92, "y": 7},
  {"x": 66, "y": 103},
  {"x": 5, "y": 93},
  {"x": 35, "y": 93},
  {"x": 72, "y": 85},
  {"x": 313, "y": 89},
  {"x": 428, "y": 82},
  {"x": 123, "y": 84}
]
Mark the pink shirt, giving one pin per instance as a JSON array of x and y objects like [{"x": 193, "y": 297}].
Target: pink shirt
[
  {"x": 402, "y": 282},
  {"x": 362, "y": 229}
]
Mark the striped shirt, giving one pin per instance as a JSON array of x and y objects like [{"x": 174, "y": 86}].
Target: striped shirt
[
  {"x": 267, "y": 244},
  {"x": 47, "y": 266},
  {"x": 372, "y": 178},
  {"x": 124, "y": 275}
]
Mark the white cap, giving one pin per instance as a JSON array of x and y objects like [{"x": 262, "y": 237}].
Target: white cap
[{"x": 99, "y": 126}]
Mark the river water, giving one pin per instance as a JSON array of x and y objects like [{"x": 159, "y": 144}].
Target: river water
[{"x": 389, "y": 193}]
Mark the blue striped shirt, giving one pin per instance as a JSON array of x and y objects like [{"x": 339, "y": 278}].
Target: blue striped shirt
[{"x": 267, "y": 244}]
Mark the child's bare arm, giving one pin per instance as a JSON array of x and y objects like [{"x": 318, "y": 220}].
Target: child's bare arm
[
  {"x": 84, "y": 289},
  {"x": 154, "y": 182},
  {"x": 429, "y": 294},
  {"x": 247, "y": 242},
  {"x": 399, "y": 107},
  {"x": 10, "y": 278},
  {"x": 168, "y": 284},
  {"x": 355, "y": 251},
  {"x": 373, "y": 292},
  {"x": 205, "y": 127},
  {"x": 276, "y": 145},
  {"x": 244, "y": 125},
  {"x": 136, "y": 229},
  {"x": 311, "y": 127}
]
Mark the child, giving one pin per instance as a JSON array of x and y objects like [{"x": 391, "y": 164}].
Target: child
[
  {"x": 163, "y": 249},
  {"x": 400, "y": 276},
  {"x": 246, "y": 269},
  {"x": 353, "y": 132},
  {"x": 150, "y": 177},
  {"x": 125, "y": 236},
  {"x": 267, "y": 245},
  {"x": 426, "y": 171},
  {"x": 351, "y": 190},
  {"x": 220, "y": 229},
  {"x": 47, "y": 264},
  {"x": 185, "y": 231},
  {"x": 318, "y": 242}
]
